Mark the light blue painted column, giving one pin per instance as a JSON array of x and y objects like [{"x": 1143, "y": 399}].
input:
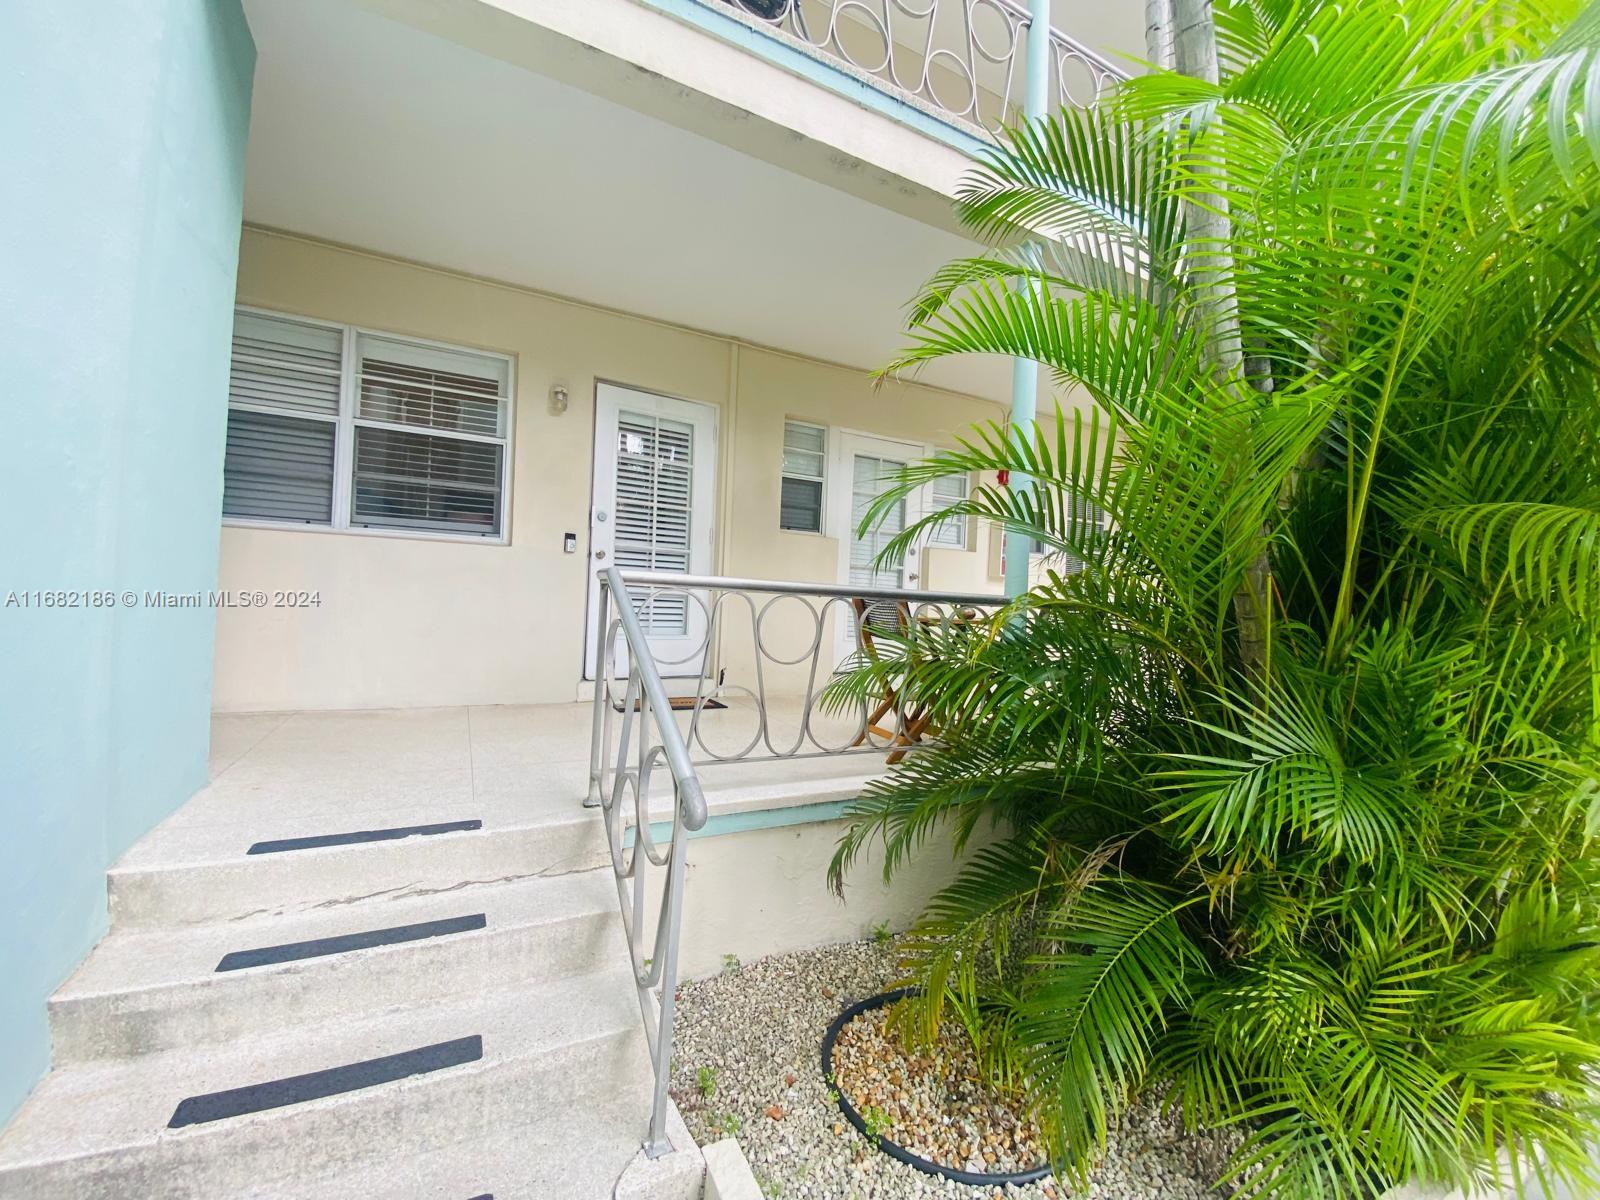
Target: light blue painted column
[
  {"x": 1024, "y": 371},
  {"x": 124, "y": 138}
]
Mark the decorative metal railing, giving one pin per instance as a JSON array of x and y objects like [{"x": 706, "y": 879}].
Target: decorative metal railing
[
  {"x": 758, "y": 656},
  {"x": 965, "y": 58},
  {"x": 648, "y": 724}
]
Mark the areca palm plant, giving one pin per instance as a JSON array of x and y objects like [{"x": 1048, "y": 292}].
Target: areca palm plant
[{"x": 1295, "y": 744}]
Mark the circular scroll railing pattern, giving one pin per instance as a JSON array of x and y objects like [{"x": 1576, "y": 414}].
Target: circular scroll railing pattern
[
  {"x": 736, "y": 628},
  {"x": 768, "y": 643},
  {"x": 629, "y": 775},
  {"x": 965, "y": 58}
]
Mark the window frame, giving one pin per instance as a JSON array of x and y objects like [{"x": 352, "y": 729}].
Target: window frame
[
  {"x": 1036, "y": 548},
  {"x": 963, "y": 525},
  {"x": 821, "y": 479},
  {"x": 346, "y": 420}
]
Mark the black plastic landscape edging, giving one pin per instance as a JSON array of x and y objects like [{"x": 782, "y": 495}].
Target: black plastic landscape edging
[{"x": 995, "y": 1179}]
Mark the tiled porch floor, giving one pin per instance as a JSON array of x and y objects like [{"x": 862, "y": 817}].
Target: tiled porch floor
[{"x": 290, "y": 774}]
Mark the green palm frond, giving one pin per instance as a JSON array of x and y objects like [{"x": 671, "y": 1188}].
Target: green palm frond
[
  {"x": 963, "y": 944},
  {"x": 1293, "y": 783},
  {"x": 1548, "y": 943},
  {"x": 1549, "y": 553},
  {"x": 1093, "y": 1012},
  {"x": 932, "y": 789},
  {"x": 1082, "y": 178},
  {"x": 1291, "y": 754},
  {"x": 1512, "y": 121},
  {"x": 1079, "y": 337}
]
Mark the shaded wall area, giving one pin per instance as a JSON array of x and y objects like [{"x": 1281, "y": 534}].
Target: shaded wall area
[
  {"x": 408, "y": 622},
  {"x": 119, "y": 231}
]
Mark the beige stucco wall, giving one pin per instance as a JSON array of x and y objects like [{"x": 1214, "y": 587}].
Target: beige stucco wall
[
  {"x": 410, "y": 622},
  {"x": 765, "y": 891}
]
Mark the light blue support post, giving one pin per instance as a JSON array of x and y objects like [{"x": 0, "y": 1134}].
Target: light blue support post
[
  {"x": 1025, "y": 372},
  {"x": 1036, "y": 97}
]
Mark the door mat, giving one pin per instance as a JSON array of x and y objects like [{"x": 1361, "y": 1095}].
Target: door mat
[{"x": 687, "y": 704}]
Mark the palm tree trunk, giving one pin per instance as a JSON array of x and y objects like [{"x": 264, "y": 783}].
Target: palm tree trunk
[
  {"x": 1194, "y": 53},
  {"x": 1194, "y": 44},
  {"x": 1158, "y": 26}
]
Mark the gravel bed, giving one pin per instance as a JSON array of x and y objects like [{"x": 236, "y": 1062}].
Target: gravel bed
[
  {"x": 747, "y": 1064},
  {"x": 933, "y": 1102}
]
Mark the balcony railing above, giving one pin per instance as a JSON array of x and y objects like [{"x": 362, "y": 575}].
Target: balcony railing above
[{"x": 963, "y": 59}]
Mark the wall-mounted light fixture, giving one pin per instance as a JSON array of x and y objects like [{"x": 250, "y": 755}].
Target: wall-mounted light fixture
[{"x": 558, "y": 399}]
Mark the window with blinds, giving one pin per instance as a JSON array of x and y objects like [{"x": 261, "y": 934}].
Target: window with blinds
[
  {"x": 804, "y": 473},
  {"x": 283, "y": 417},
  {"x": 952, "y": 531},
  {"x": 872, "y": 476},
  {"x": 332, "y": 426},
  {"x": 1065, "y": 561},
  {"x": 429, "y": 438},
  {"x": 1095, "y": 517}
]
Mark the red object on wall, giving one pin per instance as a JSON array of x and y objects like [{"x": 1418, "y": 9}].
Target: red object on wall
[{"x": 1003, "y": 478}]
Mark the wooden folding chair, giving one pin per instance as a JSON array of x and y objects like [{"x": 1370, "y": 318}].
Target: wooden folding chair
[{"x": 909, "y": 727}]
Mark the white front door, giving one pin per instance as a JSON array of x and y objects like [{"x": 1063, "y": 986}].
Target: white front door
[
  {"x": 654, "y": 487},
  {"x": 863, "y": 469}
]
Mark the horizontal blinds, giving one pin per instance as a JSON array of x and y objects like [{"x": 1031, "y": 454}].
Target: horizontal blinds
[
  {"x": 283, "y": 396},
  {"x": 948, "y": 490},
  {"x": 654, "y": 518},
  {"x": 418, "y": 481},
  {"x": 427, "y": 427},
  {"x": 803, "y": 447},
  {"x": 431, "y": 387},
  {"x": 1084, "y": 511},
  {"x": 872, "y": 476},
  {"x": 800, "y": 505},
  {"x": 425, "y": 480},
  {"x": 278, "y": 468},
  {"x": 286, "y": 365}
]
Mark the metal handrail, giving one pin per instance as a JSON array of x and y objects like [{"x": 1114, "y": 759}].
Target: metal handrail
[
  {"x": 843, "y": 591},
  {"x": 635, "y": 733},
  {"x": 655, "y": 975},
  {"x": 684, "y": 779}
]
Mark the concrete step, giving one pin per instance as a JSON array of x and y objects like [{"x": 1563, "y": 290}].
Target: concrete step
[
  {"x": 144, "y": 991},
  {"x": 223, "y": 881},
  {"x": 532, "y": 1163},
  {"x": 563, "y": 1073}
]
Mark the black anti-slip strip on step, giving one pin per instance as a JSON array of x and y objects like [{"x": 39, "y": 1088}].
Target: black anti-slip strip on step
[
  {"x": 258, "y": 1097},
  {"x": 321, "y": 947},
  {"x": 365, "y": 835}
]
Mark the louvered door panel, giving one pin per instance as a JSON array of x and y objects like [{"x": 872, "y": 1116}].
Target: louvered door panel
[
  {"x": 870, "y": 478},
  {"x": 654, "y": 480},
  {"x": 654, "y": 509}
]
